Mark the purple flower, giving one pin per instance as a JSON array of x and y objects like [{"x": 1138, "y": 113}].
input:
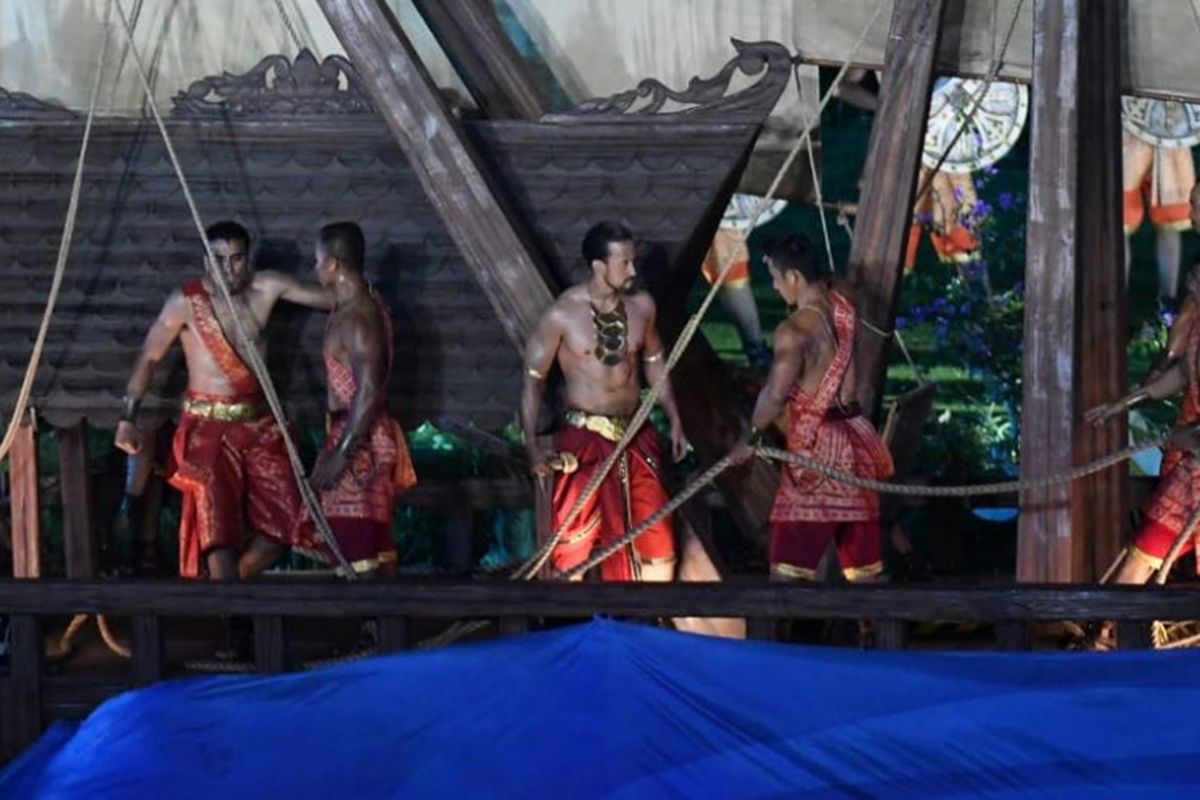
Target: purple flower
[
  {"x": 1005, "y": 201},
  {"x": 958, "y": 193},
  {"x": 924, "y": 218},
  {"x": 965, "y": 308},
  {"x": 990, "y": 170},
  {"x": 901, "y": 323},
  {"x": 1168, "y": 317}
]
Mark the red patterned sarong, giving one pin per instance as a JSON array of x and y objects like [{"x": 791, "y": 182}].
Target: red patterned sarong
[
  {"x": 1177, "y": 495},
  {"x": 359, "y": 506},
  {"x": 807, "y": 502},
  {"x": 630, "y": 493},
  {"x": 229, "y": 472}
]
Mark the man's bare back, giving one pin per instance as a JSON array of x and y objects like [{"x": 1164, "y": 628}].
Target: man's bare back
[{"x": 811, "y": 331}]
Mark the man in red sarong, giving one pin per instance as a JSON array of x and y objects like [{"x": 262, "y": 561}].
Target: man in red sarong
[
  {"x": 1177, "y": 495},
  {"x": 229, "y": 458},
  {"x": 812, "y": 381},
  {"x": 365, "y": 460},
  {"x": 597, "y": 332}
]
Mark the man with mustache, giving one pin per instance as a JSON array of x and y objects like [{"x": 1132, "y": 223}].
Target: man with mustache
[
  {"x": 229, "y": 456},
  {"x": 599, "y": 332}
]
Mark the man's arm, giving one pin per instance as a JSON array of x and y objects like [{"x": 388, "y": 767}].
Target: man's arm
[
  {"x": 540, "y": 352},
  {"x": 1165, "y": 378},
  {"x": 159, "y": 338},
  {"x": 363, "y": 337},
  {"x": 785, "y": 369},
  {"x": 302, "y": 293},
  {"x": 654, "y": 357}
]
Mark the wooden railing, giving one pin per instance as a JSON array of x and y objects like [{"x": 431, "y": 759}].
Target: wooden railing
[{"x": 29, "y": 698}]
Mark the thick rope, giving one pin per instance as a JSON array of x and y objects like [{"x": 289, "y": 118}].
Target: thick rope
[
  {"x": 287, "y": 23},
  {"x": 535, "y": 562},
  {"x": 460, "y": 629},
  {"x": 64, "y": 252},
  {"x": 250, "y": 351}
]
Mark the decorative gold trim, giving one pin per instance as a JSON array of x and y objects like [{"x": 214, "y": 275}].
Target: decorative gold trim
[
  {"x": 792, "y": 572},
  {"x": 863, "y": 573},
  {"x": 222, "y": 411},
  {"x": 583, "y": 533},
  {"x": 611, "y": 428},
  {"x": 653, "y": 358},
  {"x": 533, "y": 373},
  {"x": 1144, "y": 557}
]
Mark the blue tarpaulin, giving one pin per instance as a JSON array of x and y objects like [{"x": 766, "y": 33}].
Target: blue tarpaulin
[{"x": 612, "y": 710}]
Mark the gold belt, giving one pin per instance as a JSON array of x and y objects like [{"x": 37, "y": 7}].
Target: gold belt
[
  {"x": 223, "y": 411},
  {"x": 611, "y": 428}
]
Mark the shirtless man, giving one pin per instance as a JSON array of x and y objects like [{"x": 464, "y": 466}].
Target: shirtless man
[
  {"x": 365, "y": 460},
  {"x": 229, "y": 454},
  {"x": 812, "y": 380},
  {"x": 598, "y": 332}
]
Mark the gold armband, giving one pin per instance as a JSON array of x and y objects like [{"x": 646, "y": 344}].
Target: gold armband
[
  {"x": 653, "y": 358},
  {"x": 533, "y": 373}
]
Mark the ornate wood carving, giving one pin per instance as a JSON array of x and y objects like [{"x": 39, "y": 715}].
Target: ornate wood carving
[
  {"x": 771, "y": 61},
  {"x": 279, "y": 86}
]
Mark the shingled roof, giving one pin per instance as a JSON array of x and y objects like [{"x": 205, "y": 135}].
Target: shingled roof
[{"x": 285, "y": 149}]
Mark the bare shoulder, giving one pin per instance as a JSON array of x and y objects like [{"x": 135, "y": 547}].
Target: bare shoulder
[
  {"x": 571, "y": 303},
  {"x": 794, "y": 333},
  {"x": 641, "y": 303},
  {"x": 271, "y": 280}
]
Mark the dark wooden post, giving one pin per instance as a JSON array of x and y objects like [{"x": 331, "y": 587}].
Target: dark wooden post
[
  {"x": 485, "y": 58},
  {"x": 26, "y": 681},
  {"x": 23, "y": 485},
  {"x": 270, "y": 644},
  {"x": 1074, "y": 285},
  {"x": 393, "y": 634},
  {"x": 146, "y": 649},
  {"x": 79, "y": 541},
  {"x": 890, "y": 181},
  {"x": 444, "y": 161}
]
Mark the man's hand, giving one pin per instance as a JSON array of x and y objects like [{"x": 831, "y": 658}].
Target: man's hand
[
  {"x": 679, "y": 445},
  {"x": 129, "y": 438},
  {"x": 1100, "y": 414},
  {"x": 742, "y": 452},
  {"x": 539, "y": 461},
  {"x": 1184, "y": 439},
  {"x": 329, "y": 467}
]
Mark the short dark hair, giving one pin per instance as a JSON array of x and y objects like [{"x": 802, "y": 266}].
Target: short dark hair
[
  {"x": 600, "y": 236},
  {"x": 227, "y": 231},
  {"x": 344, "y": 240},
  {"x": 795, "y": 252}
]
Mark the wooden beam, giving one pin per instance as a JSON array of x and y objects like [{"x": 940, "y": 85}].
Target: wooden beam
[
  {"x": 23, "y": 486},
  {"x": 1074, "y": 337},
  {"x": 448, "y": 167},
  {"x": 487, "y": 599},
  {"x": 889, "y": 182},
  {"x": 494, "y": 72},
  {"x": 1099, "y": 535},
  {"x": 79, "y": 541}
]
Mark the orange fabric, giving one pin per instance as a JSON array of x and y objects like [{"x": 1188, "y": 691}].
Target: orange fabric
[
  {"x": 949, "y": 199},
  {"x": 851, "y": 445},
  {"x": 208, "y": 329},
  {"x": 1161, "y": 177},
  {"x": 727, "y": 244},
  {"x": 630, "y": 493},
  {"x": 232, "y": 474}
]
